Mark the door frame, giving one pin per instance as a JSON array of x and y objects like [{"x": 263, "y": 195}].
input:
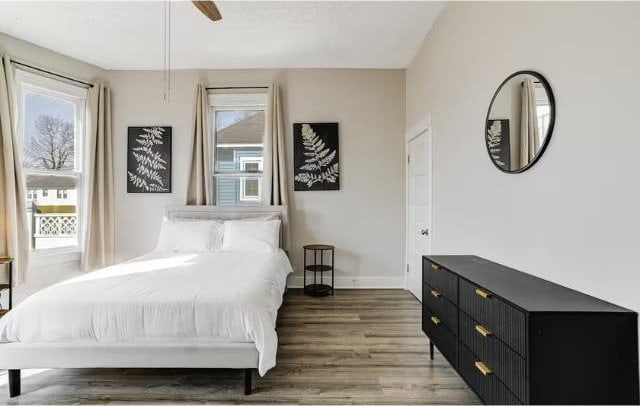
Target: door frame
[{"x": 422, "y": 127}]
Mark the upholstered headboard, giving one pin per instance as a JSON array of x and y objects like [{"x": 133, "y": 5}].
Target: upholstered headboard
[{"x": 233, "y": 213}]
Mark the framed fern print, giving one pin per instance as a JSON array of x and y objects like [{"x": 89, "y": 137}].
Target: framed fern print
[
  {"x": 149, "y": 159},
  {"x": 316, "y": 156},
  {"x": 498, "y": 142}
]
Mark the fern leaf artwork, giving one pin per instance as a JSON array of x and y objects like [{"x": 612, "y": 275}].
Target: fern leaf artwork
[
  {"x": 316, "y": 156},
  {"x": 149, "y": 160},
  {"x": 498, "y": 143}
]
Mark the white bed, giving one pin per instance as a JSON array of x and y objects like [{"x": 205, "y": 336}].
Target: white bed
[{"x": 161, "y": 310}]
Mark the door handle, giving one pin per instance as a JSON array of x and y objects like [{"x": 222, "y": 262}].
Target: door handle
[{"x": 424, "y": 231}]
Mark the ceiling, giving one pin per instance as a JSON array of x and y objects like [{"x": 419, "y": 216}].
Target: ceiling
[{"x": 252, "y": 34}]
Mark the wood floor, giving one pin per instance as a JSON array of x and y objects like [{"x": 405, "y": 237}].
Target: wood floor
[{"x": 358, "y": 347}]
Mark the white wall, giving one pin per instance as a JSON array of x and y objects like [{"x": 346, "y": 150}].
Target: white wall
[
  {"x": 573, "y": 218},
  {"x": 42, "y": 57},
  {"x": 364, "y": 220}
]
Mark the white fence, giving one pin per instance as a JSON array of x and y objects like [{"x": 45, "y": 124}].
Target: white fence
[
  {"x": 55, "y": 225},
  {"x": 52, "y": 230}
]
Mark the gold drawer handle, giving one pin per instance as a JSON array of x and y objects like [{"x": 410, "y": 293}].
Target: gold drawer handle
[
  {"x": 435, "y": 320},
  {"x": 482, "y": 293},
  {"x": 435, "y": 293},
  {"x": 483, "y": 368},
  {"x": 435, "y": 267},
  {"x": 482, "y": 330}
]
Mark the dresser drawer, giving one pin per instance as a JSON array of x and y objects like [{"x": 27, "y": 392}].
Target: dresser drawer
[
  {"x": 506, "y": 364},
  {"x": 440, "y": 335},
  {"x": 441, "y": 307},
  {"x": 488, "y": 386},
  {"x": 502, "y": 319},
  {"x": 440, "y": 279}
]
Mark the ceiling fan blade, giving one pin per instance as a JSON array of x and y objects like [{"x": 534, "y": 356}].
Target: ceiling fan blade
[{"x": 209, "y": 9}]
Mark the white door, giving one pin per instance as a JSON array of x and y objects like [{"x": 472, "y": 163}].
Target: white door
[{"x": 418, "y": 208}]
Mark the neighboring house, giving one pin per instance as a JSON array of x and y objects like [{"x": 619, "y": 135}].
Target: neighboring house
[
  {"x": 52, "y": 211},
  {"x": 58, "y": 196},
  {"x": 240, "y": 149}
]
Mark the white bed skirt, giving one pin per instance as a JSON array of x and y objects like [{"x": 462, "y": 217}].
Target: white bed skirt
[{"x": 128, "y": 355}]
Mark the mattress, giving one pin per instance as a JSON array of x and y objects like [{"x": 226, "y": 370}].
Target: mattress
[{"x": 161, "y": 297}]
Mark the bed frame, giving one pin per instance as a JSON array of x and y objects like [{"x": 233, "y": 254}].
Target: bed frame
[{"x": 220, "y": 354}]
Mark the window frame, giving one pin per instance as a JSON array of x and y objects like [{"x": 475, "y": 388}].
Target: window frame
[
  {"x": 243, "y": 194},
  {"x": 26, "y": 81},
  {"x": 542, "y": 100},
  {"x": 232, "y": 101}
]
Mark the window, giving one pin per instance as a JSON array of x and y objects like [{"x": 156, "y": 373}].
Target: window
[
  {"x": 52, "y": 127},
  {"x": 543, "y": 111},
  {"x": 238, "y": 145},
  {"x": 251, "y": 188}
]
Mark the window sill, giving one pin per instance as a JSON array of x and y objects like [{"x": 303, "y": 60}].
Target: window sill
[{"x": 54, "y": 256}]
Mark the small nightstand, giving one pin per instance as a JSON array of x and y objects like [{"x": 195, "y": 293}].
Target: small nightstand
[
  {"x": 318, "y": 266},
  {"x": 8, "y": 261}
]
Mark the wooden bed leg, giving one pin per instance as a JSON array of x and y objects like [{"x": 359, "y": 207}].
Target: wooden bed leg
[
  {"x": 247, "y": 381},
  {"x": 14, "y": 383}
]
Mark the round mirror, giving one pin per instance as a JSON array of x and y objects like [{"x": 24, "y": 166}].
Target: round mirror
[{"x": 520, "y": 121}]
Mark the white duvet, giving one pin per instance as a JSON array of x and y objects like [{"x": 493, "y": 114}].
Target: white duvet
[{"x": 230, "y": 296}]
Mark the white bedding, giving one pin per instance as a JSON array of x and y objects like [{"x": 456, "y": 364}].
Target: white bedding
[{"x": 229, "y": 296}]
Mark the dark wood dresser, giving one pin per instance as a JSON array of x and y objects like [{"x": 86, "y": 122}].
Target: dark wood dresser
[{"x": 518, "y": 339}]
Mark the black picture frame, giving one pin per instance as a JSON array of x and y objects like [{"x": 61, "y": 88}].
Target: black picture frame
[
  {"x": 316, "y": 156},
  {"x": 499, "y": 145},
  {"x": 149, "y": 159}
]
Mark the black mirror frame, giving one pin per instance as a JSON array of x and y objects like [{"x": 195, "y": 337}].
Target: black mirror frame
[{"x": 552, "y": 120}]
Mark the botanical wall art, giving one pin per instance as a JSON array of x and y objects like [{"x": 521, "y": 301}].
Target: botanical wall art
[
  {"x": 149, "y": 160},
  {"x": 316, "y": 156},
  {"x": 498, "y": 142}
]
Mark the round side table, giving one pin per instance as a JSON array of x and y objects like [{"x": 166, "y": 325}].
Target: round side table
[{"x": 314, "y": 261}]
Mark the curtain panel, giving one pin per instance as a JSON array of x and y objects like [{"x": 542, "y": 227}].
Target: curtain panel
[
  {"x": 529, "y": 137},
  {"x": 14, "y": 230},
  {"x": 98, "y": 240},
  {"x": 274, "y": 169},
  {"x": 198, "y": 190}
]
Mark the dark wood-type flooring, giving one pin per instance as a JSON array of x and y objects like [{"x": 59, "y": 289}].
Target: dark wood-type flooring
[{"x": 358, "y": 347}]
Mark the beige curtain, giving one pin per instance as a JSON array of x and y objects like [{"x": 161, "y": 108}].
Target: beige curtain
[
  {"x": 99, "y": 229},
  {"x": 529, "y": 137},
  {"x": 198, "y": 191},
  {"x": 14, "y": 229},
  {"x": 274, "y": 171}
]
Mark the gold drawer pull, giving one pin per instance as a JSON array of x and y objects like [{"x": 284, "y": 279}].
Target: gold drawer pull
[
  {"x": 435, "y": 293},
  {"x": 482, "y": 293},
  {"x": 435, "y": 267},
  {"x": 435, "y": 320},
  {"x": 482, "y": 330},
  {"x": 483, "y": 368}
]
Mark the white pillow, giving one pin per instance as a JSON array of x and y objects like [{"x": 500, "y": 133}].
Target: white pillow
[
  {"x": 190, "y": 236},
  {"x": 251, "y": 236}
]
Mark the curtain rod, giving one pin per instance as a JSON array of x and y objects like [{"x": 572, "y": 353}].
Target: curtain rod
[
  {"x": 237, "y": 87},
  {"x": 52, "y": 73}
]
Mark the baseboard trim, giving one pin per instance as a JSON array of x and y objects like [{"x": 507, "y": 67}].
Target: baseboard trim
[{"x": 354, "y": 282}]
